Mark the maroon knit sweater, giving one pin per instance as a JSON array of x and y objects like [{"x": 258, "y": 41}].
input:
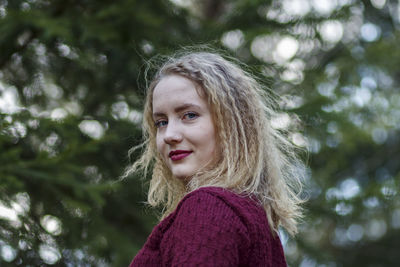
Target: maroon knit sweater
[{"x": 213, "y": 227}]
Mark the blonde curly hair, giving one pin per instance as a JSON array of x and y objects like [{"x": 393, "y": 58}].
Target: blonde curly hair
[{"x": 256, "y": 158}]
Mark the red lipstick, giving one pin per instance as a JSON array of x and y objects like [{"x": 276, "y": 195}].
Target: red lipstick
[{"x": 179, "y": 154}]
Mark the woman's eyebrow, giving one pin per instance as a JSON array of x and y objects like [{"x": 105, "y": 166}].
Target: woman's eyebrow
[
  {"x": 186, "y": 106},
  {"x": 177, "y": 109}
]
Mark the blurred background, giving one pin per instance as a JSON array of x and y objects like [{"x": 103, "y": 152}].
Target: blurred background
[{"x": 72, "y": 81}]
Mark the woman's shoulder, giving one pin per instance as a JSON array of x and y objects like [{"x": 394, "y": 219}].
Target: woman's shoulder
[
  {"x": 221, "y": 219},
  {"x": 215, "y": 204},
  {"x": 221, "y": 202},
  {"x": 228, "y": 196}
]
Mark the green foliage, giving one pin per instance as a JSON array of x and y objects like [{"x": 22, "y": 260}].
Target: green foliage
[{"x": 72, "y": 80}]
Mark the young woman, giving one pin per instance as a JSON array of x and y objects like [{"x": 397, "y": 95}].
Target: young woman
[{"x": 223, "y": 175}]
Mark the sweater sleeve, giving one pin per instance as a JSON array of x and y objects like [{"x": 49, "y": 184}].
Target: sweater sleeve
[{"x": 206, "y": 231}]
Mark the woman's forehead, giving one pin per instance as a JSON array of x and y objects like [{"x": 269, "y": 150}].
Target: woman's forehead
[{"x": 176, "y": 90}]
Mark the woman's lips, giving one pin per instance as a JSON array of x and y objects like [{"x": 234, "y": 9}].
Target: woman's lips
[{"x": 179, "y": 154}]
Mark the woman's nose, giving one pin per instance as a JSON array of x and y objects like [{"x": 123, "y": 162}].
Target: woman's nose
[{"x": 172, "y": 133}]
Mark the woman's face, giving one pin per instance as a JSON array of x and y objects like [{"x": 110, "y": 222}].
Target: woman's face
[{"x": 185, "y": 130}]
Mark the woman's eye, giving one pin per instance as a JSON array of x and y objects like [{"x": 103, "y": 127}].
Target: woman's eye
[
  {"x": 190, "y": 115},
  {"x": 160, "y": 123}
]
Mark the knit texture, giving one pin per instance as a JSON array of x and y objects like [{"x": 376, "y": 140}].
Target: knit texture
[{"x": 213, "y": 226}]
